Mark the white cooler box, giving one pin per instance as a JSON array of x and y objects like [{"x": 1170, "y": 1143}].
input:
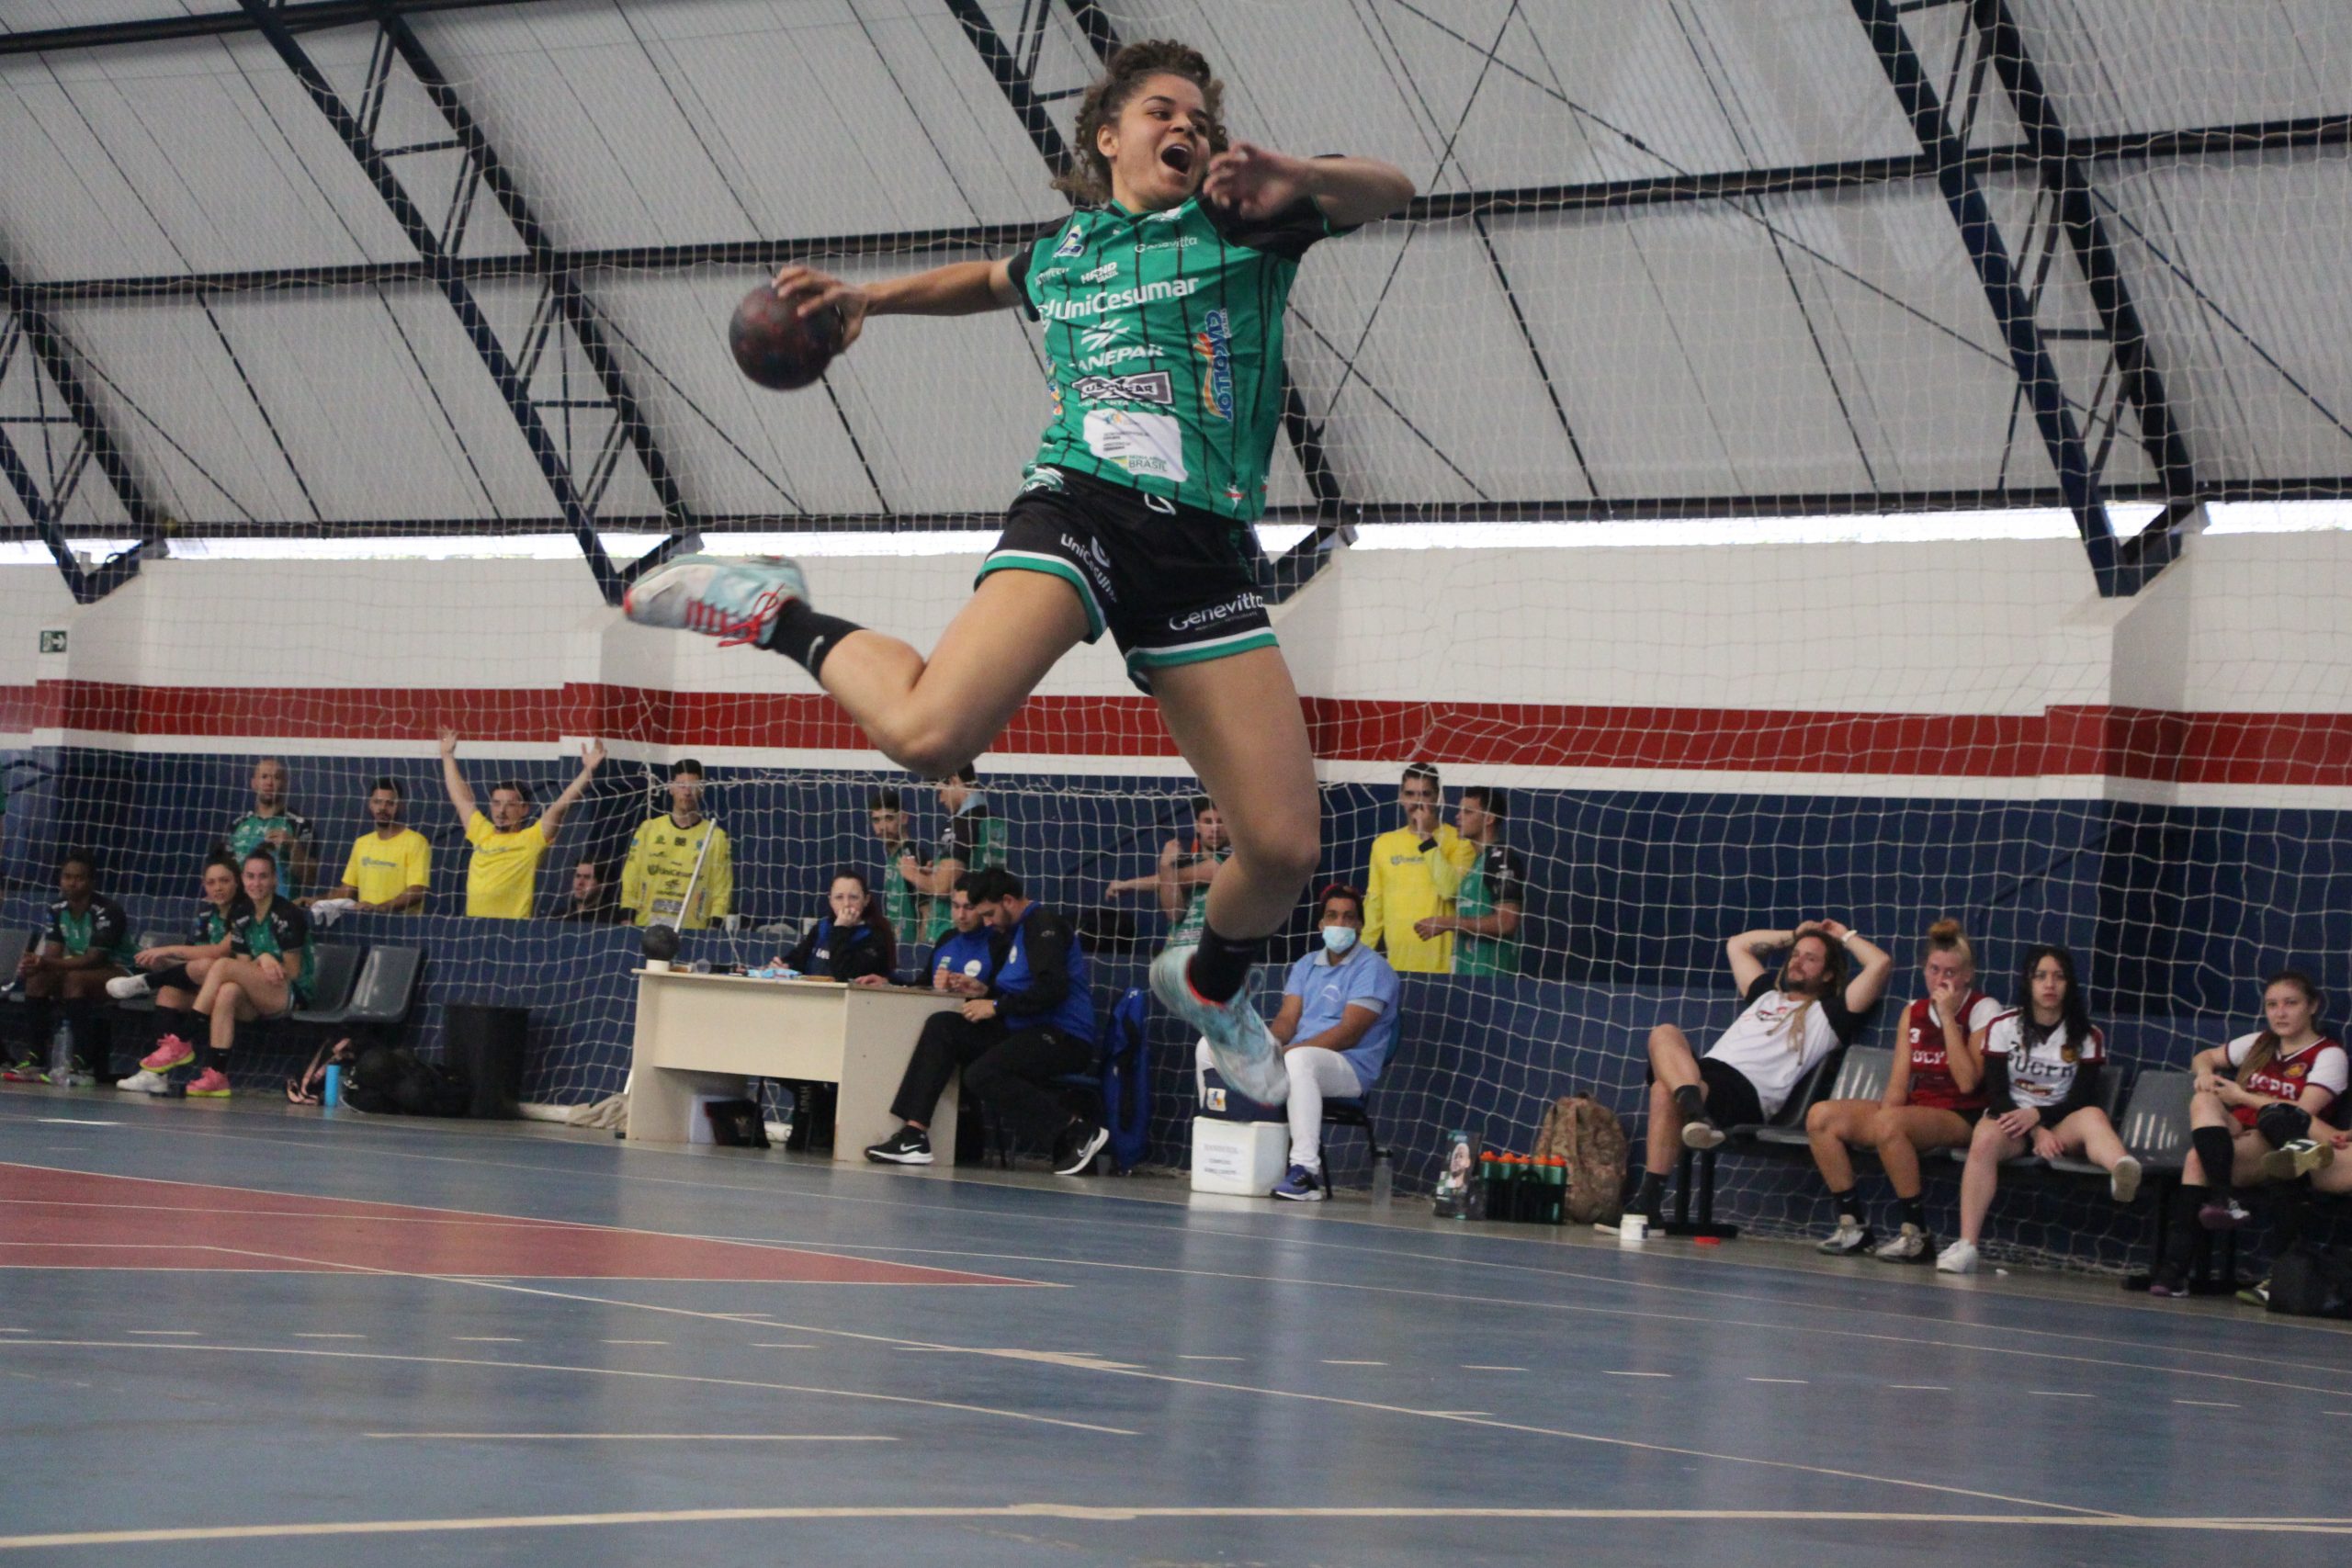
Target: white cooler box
[{"x": 1246, "y": 1159}]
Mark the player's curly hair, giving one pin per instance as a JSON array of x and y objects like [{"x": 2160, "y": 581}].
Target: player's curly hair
[{"x": 1088, "y": 179}]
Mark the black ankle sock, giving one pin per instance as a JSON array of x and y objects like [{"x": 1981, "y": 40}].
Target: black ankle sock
[
  {"x": 1847, "y": 1208},
  {"x": 1220, "y": 964},
  {"x": 1691, "y": 1102},
  {"x": 2214, "y": 1152},
  {"x": 1913, "y": 1210},
  {"x": 1649, "y": 1195},
  {"x": 803, "y": 636},
  {"x": 212, "y": 1058}
]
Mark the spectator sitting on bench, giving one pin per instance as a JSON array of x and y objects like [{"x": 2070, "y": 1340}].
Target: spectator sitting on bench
[
  {"x": 1336, "y": 1025},
  {"x": 1934, "y": 1094},
  {"x": 175, "y": 973},
  {"x": 391, "y": 866},
  {"x": 2042, "y": 1062},
  {"x": 853, "y": 942},
  {"x": 2259, "y": 1093},
  {"x": 1035, "y": 1024},
  {"x": 266, "y": 974},
  {"x": 87, "y": 944},
  {"x": 964, "y": 961},
  {"x": 1787, "y": 1022},
  {"x": 591, "y": 901},
  {"x": 1181, "y": 879}
]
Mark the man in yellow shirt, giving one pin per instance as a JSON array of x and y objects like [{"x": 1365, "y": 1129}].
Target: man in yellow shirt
[
  {"x": 390, "y": 868},
  {"x": 504, "y": 870},
  {"x": 1416, "y": 871},
  {"x": 662, "y": 856}
]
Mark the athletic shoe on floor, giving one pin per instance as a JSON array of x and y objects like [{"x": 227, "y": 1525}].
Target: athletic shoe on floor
[
  {"x": 1913, "y": 1245},
  {"x": 28, "y": 1069},
  {"x": 1243, "y": 1050},
  {"x": 74, "y": 1078},
  {"x": 127, "y": 987},
  {"x": 1702, "y": 1133},
  {"x": 734, "y": 600},
  {"x": 1847, "y": 1240},
  {"x": 211, "y": 1084},
  {"x": 2256, "y": 1295},
  {"x": 2296, "y": 1159},
  {"x": 144, "y": 1082},
  {"x": 2226, "y": 1216},
  {"x": 170, "y": 1052},
  {"x": 1959, "y": 1257},
  {"x": 2168, "y": 1283},
  {"x": 1079, "y": 1149},
  {"x": 1301, "y": 1186},
  {"x": 2123, "y": 1181},
  {"x": 907, "y": 1145}
]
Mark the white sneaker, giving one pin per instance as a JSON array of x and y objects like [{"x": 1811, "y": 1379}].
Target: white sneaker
[
  {"x": 1959, "y": 1257},
  {"x": 127, "y": 987},
  {"x": 2123, "y": 1181},
  {"x": 144, "y": 1082},
  {"x": 1913, "y": 1245},
  {"x": 1847, "y": 1239}
]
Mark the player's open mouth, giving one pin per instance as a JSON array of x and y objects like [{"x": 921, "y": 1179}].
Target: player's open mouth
[{"x": 1177, "y": 155}]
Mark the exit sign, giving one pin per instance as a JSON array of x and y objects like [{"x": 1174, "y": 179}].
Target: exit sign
[{"x": 53, "y": 642}]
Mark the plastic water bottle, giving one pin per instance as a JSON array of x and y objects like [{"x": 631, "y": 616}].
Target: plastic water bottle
[
  {"x": 1384, "y": 1181},
  {"x": 60, "y": 1054},
  {"x": 332, "y": 1095}
]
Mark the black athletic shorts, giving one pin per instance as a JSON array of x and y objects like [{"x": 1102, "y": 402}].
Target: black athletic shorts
[
  {"x": 1731, "y": 1095},
  {"x": 1171, "y": 583}
]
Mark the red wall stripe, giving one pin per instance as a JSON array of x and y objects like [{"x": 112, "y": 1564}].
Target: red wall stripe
[{"x": 2115, "y": 742}]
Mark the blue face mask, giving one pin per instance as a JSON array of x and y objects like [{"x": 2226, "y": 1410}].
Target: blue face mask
[{"x": 1339, "y": 939}]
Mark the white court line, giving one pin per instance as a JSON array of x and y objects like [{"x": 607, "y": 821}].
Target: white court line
[
  {"x": 2058, "y": 1393},
  {"x": 330, "y": 1337},
  {"x": 1920, "y": 1387},
  {"x": 1121, "y": 1516},
  {"x": 666, "y": 1342},
  {"x": 755, "y": 1347},
  {"x": 164, "y": 1333},
  {"x": 1457, "y": 1413},
  {"x": 1780, "y": 1380},
  {"x": 1480, "y": 1367},
  {"x": 1180, "y": 1357},
  {"x": 638, "y": 1436},
  {"x": 483, "y": 1339},
  {"x": 1610, "y": 1374},
  {"x": 2209, "y": 1403},
  {"x": 1328, "y": 1362}
]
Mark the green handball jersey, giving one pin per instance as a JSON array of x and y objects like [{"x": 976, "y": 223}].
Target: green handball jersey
[
  {"x": 1163, "y": 332},
  {"x": 1497, "y": 877}
]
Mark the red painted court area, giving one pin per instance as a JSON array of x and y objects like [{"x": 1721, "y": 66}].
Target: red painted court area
[{"x": 71, "y": 1219}]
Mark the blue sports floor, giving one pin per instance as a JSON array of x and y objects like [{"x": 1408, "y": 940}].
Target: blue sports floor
[{"x": 758, "y": 1358}]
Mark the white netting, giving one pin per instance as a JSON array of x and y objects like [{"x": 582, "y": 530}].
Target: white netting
[{"x": 335, "y": 295}]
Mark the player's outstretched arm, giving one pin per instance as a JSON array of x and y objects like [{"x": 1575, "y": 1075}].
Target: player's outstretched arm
[
  {"x": 551, "y": 820},
  {"x": 1259, "y": 181},
  {"x": 461, "y": 794},
  {"x": 959, "y": 288}
]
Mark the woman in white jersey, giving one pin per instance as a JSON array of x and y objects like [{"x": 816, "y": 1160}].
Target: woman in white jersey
[
  {"x": 2255, "y": 1095},
  {"x": 1162, "y": 298},
  {"x": 2043, "y": 1062},
  {"x": 1788, "y": 1021}
]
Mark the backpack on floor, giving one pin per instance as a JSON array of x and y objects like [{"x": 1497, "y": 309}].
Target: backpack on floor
[
  {"x": 391, "y": 1080},
  {"x": 1586, "y": 1135},
  {"x": 2313, "y": 1281}
]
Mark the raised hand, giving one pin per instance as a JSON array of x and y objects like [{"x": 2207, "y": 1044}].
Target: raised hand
[{"x": 1255, "y": 181}]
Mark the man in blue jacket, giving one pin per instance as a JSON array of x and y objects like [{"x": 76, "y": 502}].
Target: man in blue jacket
[{"x": 1035, "y": 1024}]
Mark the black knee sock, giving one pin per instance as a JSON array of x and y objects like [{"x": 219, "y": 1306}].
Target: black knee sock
[
  {"x": 1691, "y": 1102},
  {"x": 1913, "y": 1210},
  {"x": 1221, "y": 962},
  {"x": 1649, "y": 1195},
  {"x": 803, "y": 636},
  {"x": 2215, "y": 1150},
  {"x": 1847, "y": 1209},
  {"x": 40, "y": 1024}
]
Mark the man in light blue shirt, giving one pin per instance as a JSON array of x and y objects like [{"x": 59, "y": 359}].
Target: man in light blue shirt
[{"x": 1336, "y": 1025}]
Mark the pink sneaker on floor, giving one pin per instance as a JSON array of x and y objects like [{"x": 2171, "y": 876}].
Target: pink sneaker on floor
[
  {"x": 211, "y": 1084},
  {"x": 170, "y": 1052}
]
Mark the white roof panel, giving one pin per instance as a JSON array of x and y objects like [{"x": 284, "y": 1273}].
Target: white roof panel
[{"x": 2125, "y": 66}]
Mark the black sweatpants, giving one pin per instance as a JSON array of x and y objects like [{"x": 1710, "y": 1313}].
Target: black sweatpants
[{"x": 1011, "y": 1070}]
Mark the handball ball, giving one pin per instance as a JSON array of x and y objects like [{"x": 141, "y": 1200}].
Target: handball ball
[
  {"x": 660, "y": 942},
  {"x": 778, "y": 348}
]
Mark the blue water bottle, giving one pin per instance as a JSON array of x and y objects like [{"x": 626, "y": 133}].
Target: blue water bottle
[{"x": 331, "y": 1095}]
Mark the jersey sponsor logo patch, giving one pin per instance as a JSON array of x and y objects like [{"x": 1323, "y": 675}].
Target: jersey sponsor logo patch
[
  {"x": 1152, "y": 387},
  {"x": 1214, "y": 343},
  {"x": 1043, "y": 479},
  {"x": 1102, "y": 334},
  {"x": 1073, "y": 242},
  {"x": 1118, "y": 355},
  {"x": 1149, "y": 445},
  {"x": 1119, "y": 299},
  {"x": 1104, "y": 273},
  {"x": 972, "y": 968}
]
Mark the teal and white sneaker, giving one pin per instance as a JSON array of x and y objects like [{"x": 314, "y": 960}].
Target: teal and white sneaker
[
  {"x": 734, "y": 599},
  {"x": 1238, "y": 1038}
]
